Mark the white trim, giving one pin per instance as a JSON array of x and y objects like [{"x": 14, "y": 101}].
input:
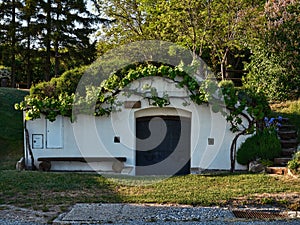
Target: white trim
[{"x": 166, "y": 111}]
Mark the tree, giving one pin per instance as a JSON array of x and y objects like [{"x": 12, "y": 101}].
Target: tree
[
  {"x": 30, "y": 31},
  {"x": 275, "y": 68},
  {"x": 9, "y": 32},
  {"x": 180, "y": 22},
  {"x": 72, "y": 24},
  {"x": 214, "y": 30},
  {"x": 282, "y": 39},
  {"x": 55, "y": 31}
]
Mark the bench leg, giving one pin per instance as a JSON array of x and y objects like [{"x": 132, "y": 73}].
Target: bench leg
[
  {"x": 45, "y": 166},
  {"x": 117, "y": 166}
]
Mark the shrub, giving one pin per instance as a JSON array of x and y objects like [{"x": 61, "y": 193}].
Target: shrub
[
  {"x": 66, "y": 83},
  {"x": 294, "y": 164},
  {"x": 264, "y": 145},
  {"x": 268, "y": 75}
]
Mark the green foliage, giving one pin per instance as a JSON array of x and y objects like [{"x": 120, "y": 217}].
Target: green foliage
[
  {"x": 214, "y": 30},
  {"x": 11, "y": 123},
  {"x": 268, "y": 76},
  {"x": 226, "y": 84},
  {"x": 65, "y": 84},
  {"x": 51, "y": 107},
  {"x": 263, "y": 145},
  {"x": 275, "y": 63},
  {"x": 266, "y": 162},
  {"x": 223, "y": 33},
  {"x": 52, "y": 98},
  {"x": 65, "y": 43},
  {"x": 294, "y": 164},
  {"x": 57, "y": 96},
  {"x": 160, "y": 101},
  {"x": 244, "y": 103},
  {"x": 282, "y": 36}
]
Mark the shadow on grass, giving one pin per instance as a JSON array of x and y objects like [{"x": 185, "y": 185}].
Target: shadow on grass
[{"x": 37, "y": 189}]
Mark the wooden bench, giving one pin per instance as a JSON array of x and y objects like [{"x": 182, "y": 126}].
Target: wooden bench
[{"x": 118, "y": 162}]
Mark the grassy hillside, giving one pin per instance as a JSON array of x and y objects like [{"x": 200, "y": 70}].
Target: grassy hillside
[{"x": 11, "y": 127}]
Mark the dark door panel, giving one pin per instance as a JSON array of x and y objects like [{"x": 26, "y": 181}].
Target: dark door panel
[{"x": 163, "y": 145}]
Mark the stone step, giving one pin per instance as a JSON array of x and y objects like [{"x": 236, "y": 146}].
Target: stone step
[
  {"x": 277, "y": 170},
  {"x": 288, "y": 151},
  {"x": 291, "y": 143},
  {"x": 285, "y": 127},
  {"x": 287, "y": 134},
  {"x": 282, "y": 161},
  {"x": 285, "y": 120}
]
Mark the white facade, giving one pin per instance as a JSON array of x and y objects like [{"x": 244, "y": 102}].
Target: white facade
[{"x": 112, "y": 136}]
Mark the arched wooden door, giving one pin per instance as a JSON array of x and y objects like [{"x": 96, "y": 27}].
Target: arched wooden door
[{"x": 163, "y": 145}]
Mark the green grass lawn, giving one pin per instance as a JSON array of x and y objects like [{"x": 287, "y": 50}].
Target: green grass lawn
[
  {"x": 11, "y": 127},
  {"x": 46, "y": 191}
]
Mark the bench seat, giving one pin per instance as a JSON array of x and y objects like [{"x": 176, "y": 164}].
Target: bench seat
[
  {"x": 82, "y": 159},
  {"x": 117, "y": 166}
]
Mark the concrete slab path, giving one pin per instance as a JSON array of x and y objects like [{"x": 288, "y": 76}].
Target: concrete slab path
[{"x": 135, "y": 214}]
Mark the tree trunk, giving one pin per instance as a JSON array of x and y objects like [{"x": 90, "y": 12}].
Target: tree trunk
[
  {"x": 222, "y": 71},
  {"x": 48, "y": 43},
  {"x": 28, "y": 69},
  {"x": 13, "y": 45},
  {"x": 28, "y": 56},
  {"x": 56, "y": 41},
  {"x": 233, "y": 151},
  {"x": 56, "y": 67},
  {"x": 224, "y": 64}
]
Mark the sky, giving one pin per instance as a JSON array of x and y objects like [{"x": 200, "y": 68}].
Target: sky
[{"x": 89, "y": 5}]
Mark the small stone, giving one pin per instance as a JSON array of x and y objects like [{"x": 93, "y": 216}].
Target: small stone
[{"x": 256, "y": 167}]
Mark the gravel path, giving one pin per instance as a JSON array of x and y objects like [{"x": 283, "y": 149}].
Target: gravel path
[
  {"x": 138, "y": 214},
  {"x": 12, "y": 215},
  {"x": 17, "y": 222},
  {"x": 134, "y": 214},
  {"x": 281, "y": 222}
]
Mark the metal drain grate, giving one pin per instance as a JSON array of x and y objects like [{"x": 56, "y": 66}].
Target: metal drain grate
[{"x": 252, "y": 214}]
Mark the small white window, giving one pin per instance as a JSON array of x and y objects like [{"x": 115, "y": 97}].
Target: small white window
[
  {"x": 37, "y": 141},
  {"x": 54, "y": 133}
]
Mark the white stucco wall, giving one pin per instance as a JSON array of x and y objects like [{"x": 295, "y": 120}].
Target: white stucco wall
[{"x": 91, "y": 136}]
